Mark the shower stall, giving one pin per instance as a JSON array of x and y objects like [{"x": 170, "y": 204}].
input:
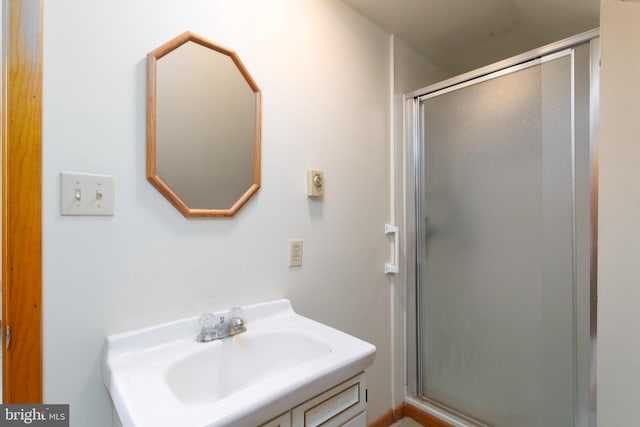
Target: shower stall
[{"x": 501, "y": 213}]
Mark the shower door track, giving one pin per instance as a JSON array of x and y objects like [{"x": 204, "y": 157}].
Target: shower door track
[{"x": 507, "y": 63}]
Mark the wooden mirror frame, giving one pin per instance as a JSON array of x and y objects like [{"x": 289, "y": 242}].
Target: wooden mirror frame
[{"x": 152, "y": 176}]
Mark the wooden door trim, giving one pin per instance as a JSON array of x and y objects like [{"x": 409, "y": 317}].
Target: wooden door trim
[{"x": 22, "y": 203}]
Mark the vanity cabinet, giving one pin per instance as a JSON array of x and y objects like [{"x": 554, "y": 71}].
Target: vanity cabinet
[{"x": 340, "y": 406}]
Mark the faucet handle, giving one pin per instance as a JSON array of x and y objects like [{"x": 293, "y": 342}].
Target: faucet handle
[
  {"x": 235, "y": 315},
  {"x": 236, "y": 322},
  {"x": 208, "y": 331},
  {"x": 207, "y": 321}
]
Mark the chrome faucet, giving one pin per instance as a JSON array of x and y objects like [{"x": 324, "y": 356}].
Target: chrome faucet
[{"x": 210, "y": 330}]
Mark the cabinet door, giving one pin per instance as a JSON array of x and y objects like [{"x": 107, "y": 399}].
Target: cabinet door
[
  {"x": 335, "y": 407},
  {"x": 283, "y": 420},
  {"x": 359, "y": 421}
]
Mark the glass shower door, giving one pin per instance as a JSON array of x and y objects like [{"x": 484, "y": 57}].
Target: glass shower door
[{"x": 496, "y": 246}]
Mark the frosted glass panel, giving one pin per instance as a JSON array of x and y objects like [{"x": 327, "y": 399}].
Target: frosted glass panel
[{"x": 496, "y": 273}]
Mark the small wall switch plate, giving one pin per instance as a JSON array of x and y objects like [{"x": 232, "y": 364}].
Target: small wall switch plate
[
  {"x": 86, "y": 194},
  {"x": 315, "y": 183},
  {"x": 295, "y": 253}
]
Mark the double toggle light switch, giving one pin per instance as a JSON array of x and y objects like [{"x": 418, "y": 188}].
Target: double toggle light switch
[{"x": 86, "y": 194}]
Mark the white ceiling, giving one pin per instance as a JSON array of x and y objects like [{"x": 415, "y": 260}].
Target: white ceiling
[{"x": 461, "y": 35}]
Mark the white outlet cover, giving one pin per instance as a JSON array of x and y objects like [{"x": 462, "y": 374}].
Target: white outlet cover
[
  {"x": 295, "y": 253},
  {"x": 86, "y": 194}
]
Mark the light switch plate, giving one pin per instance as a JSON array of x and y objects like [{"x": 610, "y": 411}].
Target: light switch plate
[{"x": 86, "y": 194}]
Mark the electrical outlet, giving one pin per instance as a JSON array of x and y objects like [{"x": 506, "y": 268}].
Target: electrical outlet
[{"x": 295, "y": 253}]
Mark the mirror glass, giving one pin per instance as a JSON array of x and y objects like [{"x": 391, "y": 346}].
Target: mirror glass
[{"x": 203, "y": 130}]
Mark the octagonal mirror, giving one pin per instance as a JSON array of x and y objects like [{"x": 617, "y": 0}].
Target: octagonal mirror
[{"x": 203, "y": 127}]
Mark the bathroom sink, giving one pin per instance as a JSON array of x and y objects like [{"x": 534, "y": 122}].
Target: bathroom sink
[
  {"x": 160, "y": 376},
  {"x": 239, "y": 366}
]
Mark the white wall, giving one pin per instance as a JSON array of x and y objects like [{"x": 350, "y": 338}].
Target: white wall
[
  {"x": 323, "y": 71},
  {"x": 619, "y": 222},
  {"x": 412, "y": 71}
]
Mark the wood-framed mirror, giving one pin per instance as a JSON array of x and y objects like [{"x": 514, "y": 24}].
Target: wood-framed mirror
[{"x": 203, "y": 127}]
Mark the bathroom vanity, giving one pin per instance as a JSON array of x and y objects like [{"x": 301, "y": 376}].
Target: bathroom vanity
[{"x": 284, "y": 370}]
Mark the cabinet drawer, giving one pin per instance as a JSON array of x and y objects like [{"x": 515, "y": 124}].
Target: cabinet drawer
[
  {"x": 334, "y": 407},
  {"x": 358, "y": 421},
  {"x": 283, "y": 420}
]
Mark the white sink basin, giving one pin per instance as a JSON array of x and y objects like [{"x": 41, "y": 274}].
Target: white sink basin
[
  {"x": 161, "y": 376},
  {"x": 237, "y": 365}
]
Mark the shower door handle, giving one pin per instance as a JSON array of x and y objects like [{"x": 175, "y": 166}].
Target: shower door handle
[{"x": 393, "y": 267}]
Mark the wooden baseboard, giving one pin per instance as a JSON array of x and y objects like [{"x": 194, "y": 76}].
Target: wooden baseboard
[
  {"x": 424, "y": 418},
  {"x": 386, "y": 419},
  {"x": 406, "y": 410}
]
